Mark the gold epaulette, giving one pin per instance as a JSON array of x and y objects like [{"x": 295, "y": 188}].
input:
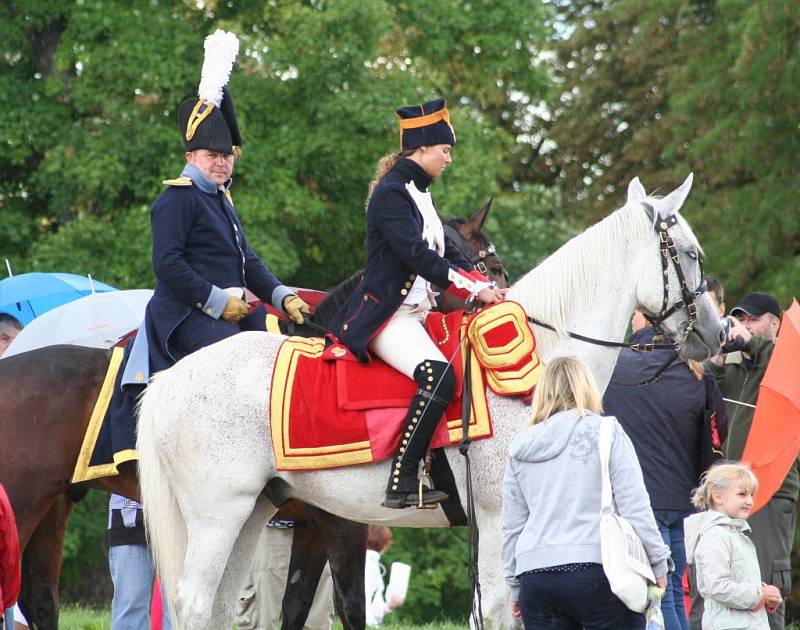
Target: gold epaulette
[{"x": 180, "y": 181}]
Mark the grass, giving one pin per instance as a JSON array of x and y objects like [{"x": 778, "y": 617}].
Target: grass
[
  {"x": 74, "y": 617},
  {"x": 81, "y": 618}
]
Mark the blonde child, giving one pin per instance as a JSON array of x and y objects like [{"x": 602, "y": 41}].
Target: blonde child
[{"x": 725, "y": 561}]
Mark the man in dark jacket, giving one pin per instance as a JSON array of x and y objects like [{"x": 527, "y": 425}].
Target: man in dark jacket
[
  {"x": 664, "y": 421},
  {"x": 739, "y": 370},
  {"x": 201, "y": 257}
]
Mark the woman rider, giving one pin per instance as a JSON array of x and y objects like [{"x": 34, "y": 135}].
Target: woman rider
[{"x": 407, "y": 251}]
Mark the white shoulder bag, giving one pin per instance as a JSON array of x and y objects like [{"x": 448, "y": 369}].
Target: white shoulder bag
[{"x": 625, "y": 560}]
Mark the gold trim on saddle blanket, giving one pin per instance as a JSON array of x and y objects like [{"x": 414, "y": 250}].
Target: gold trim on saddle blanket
[
  {"x": 287, "y": 457},
  {"x": 504, "y": 345},
  {"x": 83, "y": 471},
  {"x": 314, "y": 458},
  {"x": 273, "y": 324}
]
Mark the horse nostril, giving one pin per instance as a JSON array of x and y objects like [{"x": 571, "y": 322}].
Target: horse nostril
[{"x": 721, "y": 336}]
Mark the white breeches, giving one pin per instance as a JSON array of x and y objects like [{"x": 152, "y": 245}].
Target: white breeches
[{"x": 404, "y": 343}]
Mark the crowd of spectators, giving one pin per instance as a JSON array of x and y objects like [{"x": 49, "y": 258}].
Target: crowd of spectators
[{"x": 678, "y": 425}]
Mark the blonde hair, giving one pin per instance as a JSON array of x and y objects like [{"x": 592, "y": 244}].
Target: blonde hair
[
  {"x": 720, "y": 476},
  {"x": 566, "y": 383},
  {"x": 696, "y": 368},
  {"x": 385, "y": 164}
]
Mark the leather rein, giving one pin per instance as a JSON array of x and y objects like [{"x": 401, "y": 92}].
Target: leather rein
[{"x": 687, "y": 301}]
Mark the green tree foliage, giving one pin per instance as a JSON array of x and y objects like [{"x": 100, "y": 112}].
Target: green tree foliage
[
  {"x": 88, "y": 97},
  {"x": 662, "y": 88},
  {"x": 439, "y": 588},
  {"x": 84, "y": 575},
  {"x": 315, "y": 86}
]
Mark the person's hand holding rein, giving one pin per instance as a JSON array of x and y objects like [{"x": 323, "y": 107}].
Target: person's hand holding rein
[
  {"x": 295, "y": 308},
  {"x": 491, "y": 295}
]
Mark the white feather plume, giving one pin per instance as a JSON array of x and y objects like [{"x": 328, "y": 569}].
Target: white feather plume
[{"x": 221, "y": 50}]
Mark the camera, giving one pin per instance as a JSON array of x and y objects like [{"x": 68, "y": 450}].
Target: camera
[{"x": 731, "y": 345}]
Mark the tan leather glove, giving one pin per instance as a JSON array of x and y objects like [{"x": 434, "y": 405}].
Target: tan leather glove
[
  {"x": 234, "y": 310},
  {"x": 295, "y": 307}
]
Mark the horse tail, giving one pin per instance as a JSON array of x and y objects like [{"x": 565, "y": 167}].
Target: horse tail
[{"x": 166, "y": 530}]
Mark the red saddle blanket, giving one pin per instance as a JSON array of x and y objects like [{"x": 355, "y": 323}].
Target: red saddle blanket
[{"x": 332, "y": 413}]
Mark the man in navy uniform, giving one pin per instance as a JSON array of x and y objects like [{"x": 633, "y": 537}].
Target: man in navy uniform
[{"x": 201, "y": 257}]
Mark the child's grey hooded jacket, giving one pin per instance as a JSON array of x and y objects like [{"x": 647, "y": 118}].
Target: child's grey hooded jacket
[{"x": 726, "y": 566}]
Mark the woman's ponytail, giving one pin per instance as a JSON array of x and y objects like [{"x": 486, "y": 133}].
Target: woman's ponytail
[{"x": 385, "y": 164}]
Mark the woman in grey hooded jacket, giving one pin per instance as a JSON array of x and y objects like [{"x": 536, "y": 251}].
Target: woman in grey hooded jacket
[{"x": 551, "y": 509}]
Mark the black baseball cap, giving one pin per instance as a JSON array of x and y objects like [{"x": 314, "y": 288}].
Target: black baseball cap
[{"x": 756, "y": 304}]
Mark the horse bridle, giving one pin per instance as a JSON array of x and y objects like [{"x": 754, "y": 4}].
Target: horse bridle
[
  {"x": 688, "y": 297},
  {"x": 477, "y": 259},
  {"x": 669, "y": 252}
]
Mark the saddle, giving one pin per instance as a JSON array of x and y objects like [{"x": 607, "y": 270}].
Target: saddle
[{"x": 327, "y": 410}]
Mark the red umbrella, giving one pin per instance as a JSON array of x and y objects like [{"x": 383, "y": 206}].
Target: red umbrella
[{"x": 773, "y": 442}]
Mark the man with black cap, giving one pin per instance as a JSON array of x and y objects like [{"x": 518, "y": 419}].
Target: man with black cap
[
  {"x": 201, "y": 257},
  {"x": 739, "y": 369}
]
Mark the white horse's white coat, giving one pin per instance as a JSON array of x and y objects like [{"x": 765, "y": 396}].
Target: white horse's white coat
[{"x": 205, "y": 452}]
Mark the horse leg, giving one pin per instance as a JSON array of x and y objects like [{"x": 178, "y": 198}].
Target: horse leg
[
  {"x": 306, "y": 563},
  {"x": 240, "y": 559},
  {"x": 213, "y": 525},
  {"x": 41, "y": 567},
  {"x": 346, "y": 544}
]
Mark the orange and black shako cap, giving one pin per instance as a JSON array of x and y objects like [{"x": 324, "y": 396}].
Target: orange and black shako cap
[{"x": 425, "y": 125}]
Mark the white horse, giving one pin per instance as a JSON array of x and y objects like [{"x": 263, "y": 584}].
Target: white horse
[{"x": 205, "y": 454}]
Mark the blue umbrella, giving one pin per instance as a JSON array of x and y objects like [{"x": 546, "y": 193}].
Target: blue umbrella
[{"x": 28, "y": 295}]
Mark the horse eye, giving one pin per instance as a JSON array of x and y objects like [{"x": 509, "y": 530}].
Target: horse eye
[{"x": 692, "y": 255}]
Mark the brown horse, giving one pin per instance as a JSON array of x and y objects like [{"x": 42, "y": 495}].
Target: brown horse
[{"x": 47, "y": 399}]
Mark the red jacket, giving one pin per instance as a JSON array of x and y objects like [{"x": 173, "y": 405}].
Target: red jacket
[{"x": 9, "y": 553}]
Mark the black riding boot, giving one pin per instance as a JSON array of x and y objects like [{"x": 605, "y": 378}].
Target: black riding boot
[{"x": 437, "y": 384}]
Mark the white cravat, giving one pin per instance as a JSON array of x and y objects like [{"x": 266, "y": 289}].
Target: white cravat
[{"x": 433, "y": 233}]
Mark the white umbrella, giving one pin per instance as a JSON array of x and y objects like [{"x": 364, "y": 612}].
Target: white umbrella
[{"x": 98, "y": 320}]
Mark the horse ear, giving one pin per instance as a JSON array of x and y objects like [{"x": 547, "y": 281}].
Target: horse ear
[
  {"x": 673, "y": 202},
  {"x": 636, "y": 192},
  {"x": 477, "y": 220}
]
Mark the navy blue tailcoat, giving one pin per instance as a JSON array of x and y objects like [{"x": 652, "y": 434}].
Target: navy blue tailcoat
[
  {"x": 396, "y": 254},
  {"x": 199, "y": 248}
]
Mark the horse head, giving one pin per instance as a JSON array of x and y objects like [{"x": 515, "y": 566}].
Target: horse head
[{"x": 682, "y": 307}]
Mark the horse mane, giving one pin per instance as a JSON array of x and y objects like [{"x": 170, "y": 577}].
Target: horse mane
[{"x": 573, "y": 266}]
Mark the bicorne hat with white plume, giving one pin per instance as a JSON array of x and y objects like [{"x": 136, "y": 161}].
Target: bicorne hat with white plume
[{"x": 209, "y": 121}]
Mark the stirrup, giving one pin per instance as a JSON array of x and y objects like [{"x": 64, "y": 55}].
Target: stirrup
[
  {"x": 424, "y": 498},
  {"x": 422, "y": 489}
]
